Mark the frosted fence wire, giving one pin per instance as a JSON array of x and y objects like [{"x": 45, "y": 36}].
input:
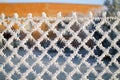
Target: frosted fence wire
[{"x": 59, "y": 48}]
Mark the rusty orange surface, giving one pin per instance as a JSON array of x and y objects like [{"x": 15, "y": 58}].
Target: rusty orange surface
[{"x": 51, "y": 9}]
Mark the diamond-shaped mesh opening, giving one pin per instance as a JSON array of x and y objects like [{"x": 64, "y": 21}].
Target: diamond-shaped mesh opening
[
  {"x": 68, "y": 68},
  {"x": 82, "y": 35},
  {"x": 66, "y": 22},
  {"x": 118, "y": 76},
  {"x": 15, "y": 43},
  {"x": 112, "y": 35},
  {"x": 113, "y": 67},
  {"x": 60, "y": 27},
  {"x": 99, "y": 68},
  {"x": 105, "y": 27},
  {"x": 118, "y": 43},
  {"x": 51, "y": 35},
  {"x": 37, "y": 52},
  {"x": 97, "y": 35},
  {"x": 67, "y": 51},
  {"x": 2, "y": 59},
  {"x": 2, "y": 76},
  {"x": 36, "y": 35},
  {"x": 106, "y": 60},
  {"x": 22, "y": 35},
  {"x": 61, "y": 60},
  {"x": 15, "y": 60},
  {"x": 98, "y": 51},
  {"x": 75, "y": 43},
  {"x": 16, "y": 76},
  {"x": 118, "y": 27},
  {"x": 15, "y": 27},
  {"x": 75, "y": 27},
  {"x": 82, "y": 51},
  {"x": 118, "y": 59},
  {"x": 97, "y": 21},
  {"x": 22, "y": 51},
  {"x": 60, "y": 44},
  {"x": 53, "y": 69},
  {"x": 44, "y": 27},
  {"x": 2, "y": 28},
  {"x": 90, "y": 43},
  {"x": 52, "y": 21},
  {"x": 67, "y": 35},
  {"x": 52, "y": 52},
  {"x": 76, "y": 60},
  {"x": 111, "y": 21},
  {"x": 22, "y": 68},
  {"x": 7, "y": 51},
  {"x": 61, "y": 76},
  {"x": 37, "y": 68},
  {"x": 7, "y": 68},
  {"x": 91, "y": 76},
  {"x": 92, "y": 60},
  {"x": 113, "y": 51},
  {"x": 36, "y": 20},
  {"x": 45, "y": 43},
  {"x": 90, "y": 28},
  {"x": 46, "y": 76},
  {"x": 30, "y": 43},
  {"x": 31, "y": 76},
  {"x": 46, "y": 60},
  {"x": 22, "y": 21},
  {"x": 29, "y": 26},
  {"x": 7, "y": 35},
  {"x": 76, "y": 76},
  {"x": 83, "y": 68},
  {"x": 106, "y": 76},
  {"x": 2, "y": 43},
  {"x": 7, "y": 21},
  {"x": 106, "y": 43},
  {"x": 30, "y": 60}
]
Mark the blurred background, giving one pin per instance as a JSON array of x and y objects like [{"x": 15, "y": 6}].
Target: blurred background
[
  {"x": 36, "y": 7},
  {"x": 65, "y": 6}
]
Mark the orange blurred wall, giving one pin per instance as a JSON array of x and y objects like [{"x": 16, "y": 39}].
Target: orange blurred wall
[{"x": 51, "y": 9}]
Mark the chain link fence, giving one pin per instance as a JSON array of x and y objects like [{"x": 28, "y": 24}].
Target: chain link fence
[{"x": 59, "y": 48}]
